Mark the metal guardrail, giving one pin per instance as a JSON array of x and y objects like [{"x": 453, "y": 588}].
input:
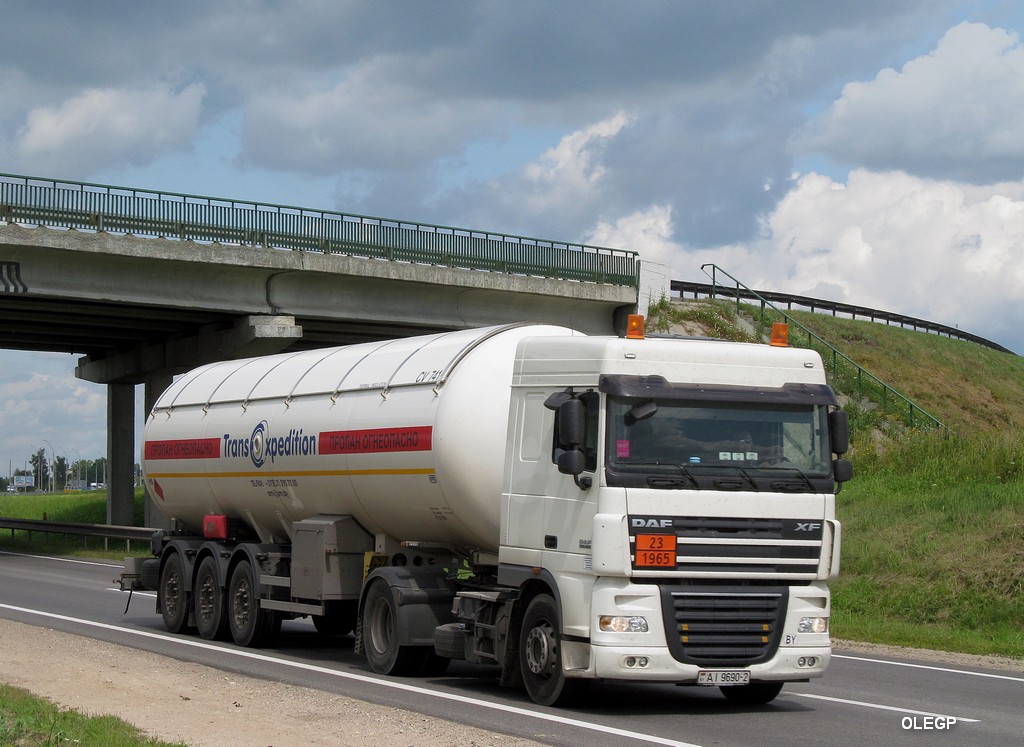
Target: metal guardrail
[
  {"x": 816, "y": 305},
  {"x": 106, "y": 531},
  {"x": 913, "y": 413},
  {"x": 99, "y": 207}
]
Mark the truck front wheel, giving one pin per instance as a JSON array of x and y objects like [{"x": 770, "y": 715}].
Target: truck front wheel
[
  {"x": 172, "y": 595},
  {"x": 540, "y": 655},
  {"x": 380, "y": 633}
]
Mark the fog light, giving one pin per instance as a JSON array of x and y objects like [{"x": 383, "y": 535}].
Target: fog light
[
  {"x": 635, "y": 662},
  {"x": 807, "y": 661},
  {"x": 813, "y": 625},
  {"x": 622, "y": 624}
]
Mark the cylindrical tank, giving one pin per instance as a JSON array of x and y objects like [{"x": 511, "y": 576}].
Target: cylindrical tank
[{"x": 408, "y": 436}]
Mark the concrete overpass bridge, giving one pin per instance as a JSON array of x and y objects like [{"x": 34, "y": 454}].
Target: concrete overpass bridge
[{"x": 145, "y": 285}]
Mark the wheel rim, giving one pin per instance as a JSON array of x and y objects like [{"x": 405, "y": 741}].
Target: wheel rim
[
  {"x": 382, "y": 627},
  {"x": 172, "y": 594},
  {"x": 207, "y": 607},
  {"x": 541, "y": 650},
  {"x": 240, "y": 609}
]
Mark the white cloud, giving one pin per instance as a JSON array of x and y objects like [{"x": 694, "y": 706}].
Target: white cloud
[
  {"x": 957, "y": 112},
  {"x": 936, "y": 250},
  {"x": 647, "y": 231},
  {"x": 574, "y": 164},
  {"x": 100, "y": 127},
  {"x": 40, "y": 400}
]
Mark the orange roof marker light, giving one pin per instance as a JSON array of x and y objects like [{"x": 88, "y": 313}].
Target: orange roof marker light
[
  {"x": 635, "y": 327},
  {"x": 780, "y": 335}
]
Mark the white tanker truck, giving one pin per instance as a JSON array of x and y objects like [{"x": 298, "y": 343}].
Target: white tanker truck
[{"x": 568, "y": 508}]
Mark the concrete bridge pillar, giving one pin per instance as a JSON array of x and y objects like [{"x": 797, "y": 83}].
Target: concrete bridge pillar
[{"x": 121, "y": 454}]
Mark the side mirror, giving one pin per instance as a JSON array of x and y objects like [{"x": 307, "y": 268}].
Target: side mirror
[
  {"x": 571, "y": 424},
  {"x": 839, "y": 431},
  {"x": 571, "y": 462},
  {"x": 842, "y": 470}
]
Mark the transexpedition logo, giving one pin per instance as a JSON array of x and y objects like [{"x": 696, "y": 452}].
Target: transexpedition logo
[{"x": 260, "y": 446}]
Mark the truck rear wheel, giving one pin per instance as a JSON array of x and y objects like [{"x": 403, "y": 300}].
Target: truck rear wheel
[
  {"x": 208, "y": 597},
  {"x": 250, "y": 625},
  {"x": 172, "y": 595},
  {"x": 380, "y": 636},
  {"x": 758, "y": 693},
  {"x": 540, "y": 655}
]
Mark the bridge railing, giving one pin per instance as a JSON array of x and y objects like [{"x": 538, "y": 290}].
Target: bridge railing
[
  {"x": 858, "y": 379},
  {"x": 98, "y": 207}
]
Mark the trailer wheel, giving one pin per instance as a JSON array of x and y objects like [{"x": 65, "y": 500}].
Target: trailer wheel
[
  {"x": 540, "y": 655},
  {"x": 250, "y": 625},
  {"x": 208, "y": 598},
  {"x": 380, "y": 636},
  {"x": 758, "y": 693},
  {"x": 172, "y": 596}
]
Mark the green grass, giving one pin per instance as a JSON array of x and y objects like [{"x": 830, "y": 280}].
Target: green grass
[
  {"x": 933, "y": 546},
  {"x": 28, "y": 721}
]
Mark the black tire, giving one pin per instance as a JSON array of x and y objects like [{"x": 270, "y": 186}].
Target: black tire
[
  {"x": 172, "y": 596},
  {"x": 757, "y": 693},
  {"x": 540, "y": 655},
  {"x": 380, "y": 636},
  {"x": 250, "y": 625},
  {"x": 208, "y": 598}
]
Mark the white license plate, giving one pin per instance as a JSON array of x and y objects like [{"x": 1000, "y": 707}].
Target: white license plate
[{"x": 722, "y": 677}]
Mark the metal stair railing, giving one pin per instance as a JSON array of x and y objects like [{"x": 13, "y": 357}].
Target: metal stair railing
[{"x": 914, "y": 414}]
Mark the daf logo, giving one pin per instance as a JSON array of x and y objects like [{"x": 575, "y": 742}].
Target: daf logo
[
  {"x": 651, "y": 523},
  {"x": 808, "y": 526}
]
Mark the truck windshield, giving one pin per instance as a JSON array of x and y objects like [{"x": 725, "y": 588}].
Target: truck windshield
[{"x": 665, "y": 442}]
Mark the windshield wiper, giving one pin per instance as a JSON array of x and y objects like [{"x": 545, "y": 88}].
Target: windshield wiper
[
  {"x": 673, "y": 482},
  {"x": 726, "y": 484},
  {"x": 801, "y": 479}
]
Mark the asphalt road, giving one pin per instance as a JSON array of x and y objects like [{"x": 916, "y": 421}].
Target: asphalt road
[{"x": 862, "y": 699}]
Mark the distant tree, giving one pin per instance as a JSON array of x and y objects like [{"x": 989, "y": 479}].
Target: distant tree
[
  {"x": 4, "y": 484},
  {"x": 60, "y": 472},
  {"x": 40, "y": 469}
]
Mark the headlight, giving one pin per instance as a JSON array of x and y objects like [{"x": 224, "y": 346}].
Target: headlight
[
  {"x": 622, "y": 624},
  {"x": 813, "y": 625}
]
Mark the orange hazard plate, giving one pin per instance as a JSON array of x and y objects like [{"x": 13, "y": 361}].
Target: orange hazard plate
[{"x": 656, "y": 550}]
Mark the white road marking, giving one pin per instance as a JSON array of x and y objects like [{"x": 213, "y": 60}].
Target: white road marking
[
  {"x": 880, "y": 707},
  {"x": 63, "y": 560},
  {"x": 933, "y": 668},
  {"x": 649, "y": 738}
]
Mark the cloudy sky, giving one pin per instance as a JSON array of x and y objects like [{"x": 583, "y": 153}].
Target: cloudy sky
[{"x": 869, "y": 152}]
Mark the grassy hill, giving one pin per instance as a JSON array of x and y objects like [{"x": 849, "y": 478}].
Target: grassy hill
[{"x": 933, "y": 526}]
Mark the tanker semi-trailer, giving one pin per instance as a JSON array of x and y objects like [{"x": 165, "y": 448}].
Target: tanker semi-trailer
[{"x": 568, "y": 508}]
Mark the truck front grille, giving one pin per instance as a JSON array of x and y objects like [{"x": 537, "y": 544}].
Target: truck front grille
[
  {"x": 723, "y": 626},
  {"x": 727, "y": 546}
]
